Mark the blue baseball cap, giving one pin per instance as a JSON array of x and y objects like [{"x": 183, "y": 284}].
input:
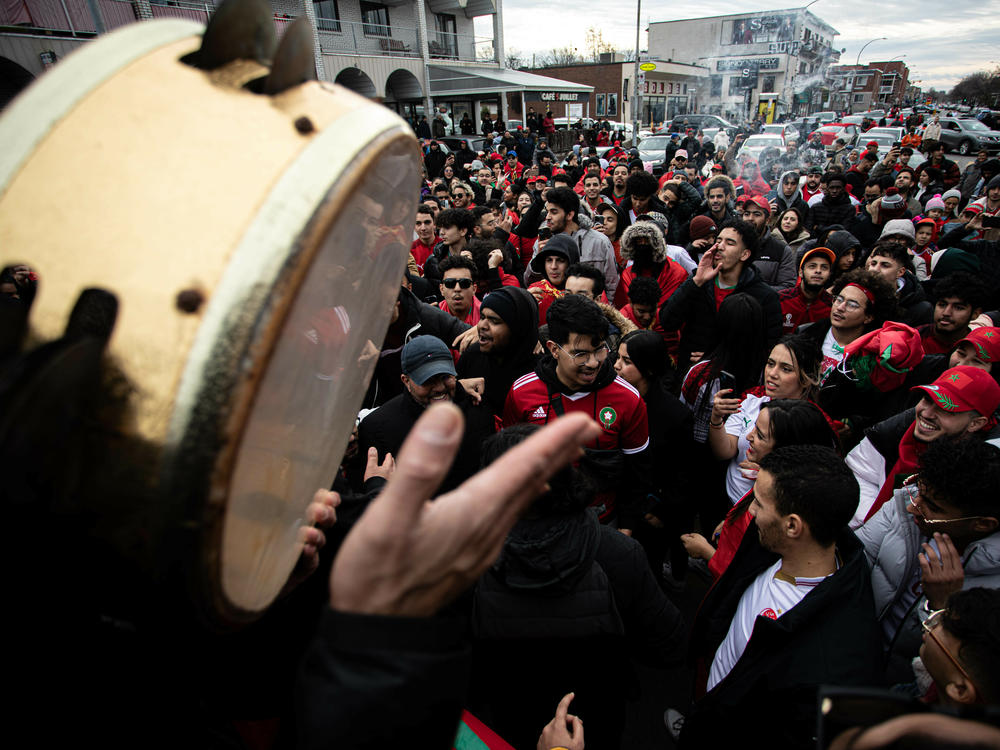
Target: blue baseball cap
[{"x": 426, "y": 356}]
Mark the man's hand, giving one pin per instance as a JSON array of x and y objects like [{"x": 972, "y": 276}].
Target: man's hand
[
  {"x": 565, "y": 729},
  {"x": 873, "y": 207},
  {"x": 475, "y": 387},
  {"x": 538, "y": 293},
  {"x": 976, "y": 223},
  {"x": 496, "y": 257},
  {"x": 374, "y": 469},
  {"x": 940, "y": 575},
  {"x": 408, "y": 557},
  {"x": 321, "y": 514},
  {"x": 706, "y": 270},
  {"x": 464, "y": 339},
  {"x": 506, "y": 224}
]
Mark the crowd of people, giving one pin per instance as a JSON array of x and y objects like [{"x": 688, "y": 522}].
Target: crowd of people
[
  {"x": 793, "y": 373},
  {"x": 601, "y": 388}
]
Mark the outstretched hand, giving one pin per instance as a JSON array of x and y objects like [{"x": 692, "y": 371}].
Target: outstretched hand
[
  {"x": 565, "y": 730},
  {"x": 407, "y": 556},
  {"x": 321, "y": 514}
]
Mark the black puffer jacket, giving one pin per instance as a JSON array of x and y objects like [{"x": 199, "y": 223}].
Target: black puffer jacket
[
  {"x": 576, "y": 596},
  {"x": 831, "y": 211},
  {"x": 693, "y": 307}
]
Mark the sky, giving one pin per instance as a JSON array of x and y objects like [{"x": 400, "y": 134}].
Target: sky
[{"x": 942, "y": 42}]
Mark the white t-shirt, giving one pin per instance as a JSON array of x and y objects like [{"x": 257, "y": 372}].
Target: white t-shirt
[
  {"x": 833, "y": 355},
  {"x": 770, "y": 595},
  {"x": 739, "y": 425}
]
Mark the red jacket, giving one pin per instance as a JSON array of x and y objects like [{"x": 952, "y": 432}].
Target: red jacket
[
  {"x": 796, "y": 310},
  {"x": 672, "y": 275},
  {"x": 421, "y": 252}
]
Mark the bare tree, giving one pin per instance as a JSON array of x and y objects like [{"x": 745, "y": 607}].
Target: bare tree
[
  {"x": 563, "y": 56},
  {"x": 514, "y": 59},
  {"x": 596, "y": 45}
]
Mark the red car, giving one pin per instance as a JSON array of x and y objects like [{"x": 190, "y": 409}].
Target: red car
[{"x": 834, "y": 130}]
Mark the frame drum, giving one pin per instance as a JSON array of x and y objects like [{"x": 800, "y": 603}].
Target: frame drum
[{"x": 255, "y": 244}]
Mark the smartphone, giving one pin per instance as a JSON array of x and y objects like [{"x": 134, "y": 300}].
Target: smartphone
[
  {"x": 897, "y": 144},
  {"x": 544, "y": 233},
  {"x": 726, "y": 380},
  {"x": 598, "y": 221},
  {"x": 991, "y": 222}
]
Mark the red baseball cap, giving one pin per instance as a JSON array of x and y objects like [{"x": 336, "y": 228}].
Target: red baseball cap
[
  {"x": 986, "y": 341},
  {"x": 964, "y": 388},
  {"x": 759, "y": 200}
]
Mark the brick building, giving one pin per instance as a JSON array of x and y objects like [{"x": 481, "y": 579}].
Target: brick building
[
  {"x": 670, "y": 89},
  {"x": 855, "y": 88},
  {"x": 895, "y": 81}
]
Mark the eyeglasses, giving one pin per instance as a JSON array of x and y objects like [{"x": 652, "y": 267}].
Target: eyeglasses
[
  {"x": 912, "y": 490},
  {"x": 850, "y": 304},
  {"x": 452, "y": 283},
  {"x": 458, "y": 195},
  {"x": 932, "y": 621},
  {"x": 582, "y": 358}
]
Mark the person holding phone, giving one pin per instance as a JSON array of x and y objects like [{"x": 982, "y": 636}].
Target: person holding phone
[{"x": 791, "y": 372}]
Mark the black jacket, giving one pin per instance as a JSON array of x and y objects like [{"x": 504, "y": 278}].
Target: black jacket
[
  {"x": 416, "y": 318},
  {"x": 768, "y": 699},
  {"x": 387, "y": 427},
  {"x": 693, "y": 307},
  {"x": 915, "y": 308},
  {"x": 580, "y": 598},
  {"x": 368, "y": 681},
  {"x": 830, "y": 211},
  {"x": 501, "y": 369}
]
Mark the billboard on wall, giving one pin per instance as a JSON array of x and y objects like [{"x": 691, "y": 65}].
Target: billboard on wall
[{"x": 767, "y": 27}]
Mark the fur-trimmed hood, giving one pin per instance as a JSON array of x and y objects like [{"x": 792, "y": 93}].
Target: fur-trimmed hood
[{"x": 647, "y": 230}]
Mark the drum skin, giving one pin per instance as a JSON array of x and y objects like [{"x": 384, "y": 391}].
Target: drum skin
[{"x": 255, "y": 245}]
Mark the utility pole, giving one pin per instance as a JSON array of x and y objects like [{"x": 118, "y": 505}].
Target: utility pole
[{"x": 637, "y": 96}]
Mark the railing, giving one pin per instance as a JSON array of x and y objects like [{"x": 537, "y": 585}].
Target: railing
[
  {"x": 336, "y": 37},
  {"x": 72, "y": 16},
  {"x": 350, "y": 37}
]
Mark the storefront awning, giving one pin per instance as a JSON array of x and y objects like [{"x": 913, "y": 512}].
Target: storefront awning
[{"x": 447, "y": 81}]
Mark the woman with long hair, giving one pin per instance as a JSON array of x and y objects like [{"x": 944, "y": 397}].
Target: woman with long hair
[
  {"x": 790, "y": 228},
  {"x": 791, "y": 372},
  {"x": 740, "y": 355},
  {"x": 780, "y": 423},
  {"x": 643, "y": 362}
]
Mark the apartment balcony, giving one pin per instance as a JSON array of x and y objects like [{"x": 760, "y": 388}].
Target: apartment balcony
[
  {"x": 63, "y": 17},
  {"x": 352, "y": 38}
]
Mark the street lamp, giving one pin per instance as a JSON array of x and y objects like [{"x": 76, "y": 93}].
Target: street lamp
[
  {"x": 879, "y": 39},
  {"x": 635, "y": 77}
]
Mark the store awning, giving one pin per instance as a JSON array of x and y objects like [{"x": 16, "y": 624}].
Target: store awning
[{"x": 463, "y": 81}]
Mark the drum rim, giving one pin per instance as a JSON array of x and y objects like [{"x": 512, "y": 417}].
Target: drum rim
[{"x": 200, "y": 478}]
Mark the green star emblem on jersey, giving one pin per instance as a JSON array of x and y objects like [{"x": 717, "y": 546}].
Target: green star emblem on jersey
[
  {"x": 988, "y": 334},
  {"x": 954, "y": 377},
  {"x": 608, "y": 416}
]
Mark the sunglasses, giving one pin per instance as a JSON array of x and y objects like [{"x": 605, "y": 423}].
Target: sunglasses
[{"x": 452, "y": 283}]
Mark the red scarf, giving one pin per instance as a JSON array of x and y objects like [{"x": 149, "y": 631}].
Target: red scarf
[{"x": 909, "y": 454}]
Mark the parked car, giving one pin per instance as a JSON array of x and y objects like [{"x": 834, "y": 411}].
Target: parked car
[
  {"x": 823, "y": 117},
  {"x": 653, "y": 150},
  {"x": 967, "y": 135},
  {"x": 782, "y": 130},
  {"x": 697, "y": 121},
  {"x": 854, "y": 119},
  {"x": 476, "y": 143},
  {"x": 896, "y": 133},
  {"x": 834, "y": 130},
  {"x": 755, "y": 144}
]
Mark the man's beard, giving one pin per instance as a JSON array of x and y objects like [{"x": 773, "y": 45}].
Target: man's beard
[{"x": 811, "y": 288}]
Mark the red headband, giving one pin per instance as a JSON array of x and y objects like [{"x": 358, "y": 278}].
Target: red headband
[{"x": 869, "y": 295}]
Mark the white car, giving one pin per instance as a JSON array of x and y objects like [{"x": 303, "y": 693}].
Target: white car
[{"x": 755, "y": 144}]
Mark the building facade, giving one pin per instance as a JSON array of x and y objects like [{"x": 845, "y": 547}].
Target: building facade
[
  {"x": 775, "y": 60},
  {"x": 670, "y": 89},
  {"x": 894, "y": 83},
  {"x": 411, "y": 55},
  {"x": 855, "y": 88}
]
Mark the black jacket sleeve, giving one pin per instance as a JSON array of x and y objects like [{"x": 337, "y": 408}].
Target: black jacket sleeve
[
  {"x": 532, "y": 219},
  {"x": 678, "y": 307},
  {"x": 370, "y": 682}
]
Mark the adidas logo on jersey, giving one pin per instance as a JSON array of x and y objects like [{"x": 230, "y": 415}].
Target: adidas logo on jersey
[{"x": 538, "y": 413}]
